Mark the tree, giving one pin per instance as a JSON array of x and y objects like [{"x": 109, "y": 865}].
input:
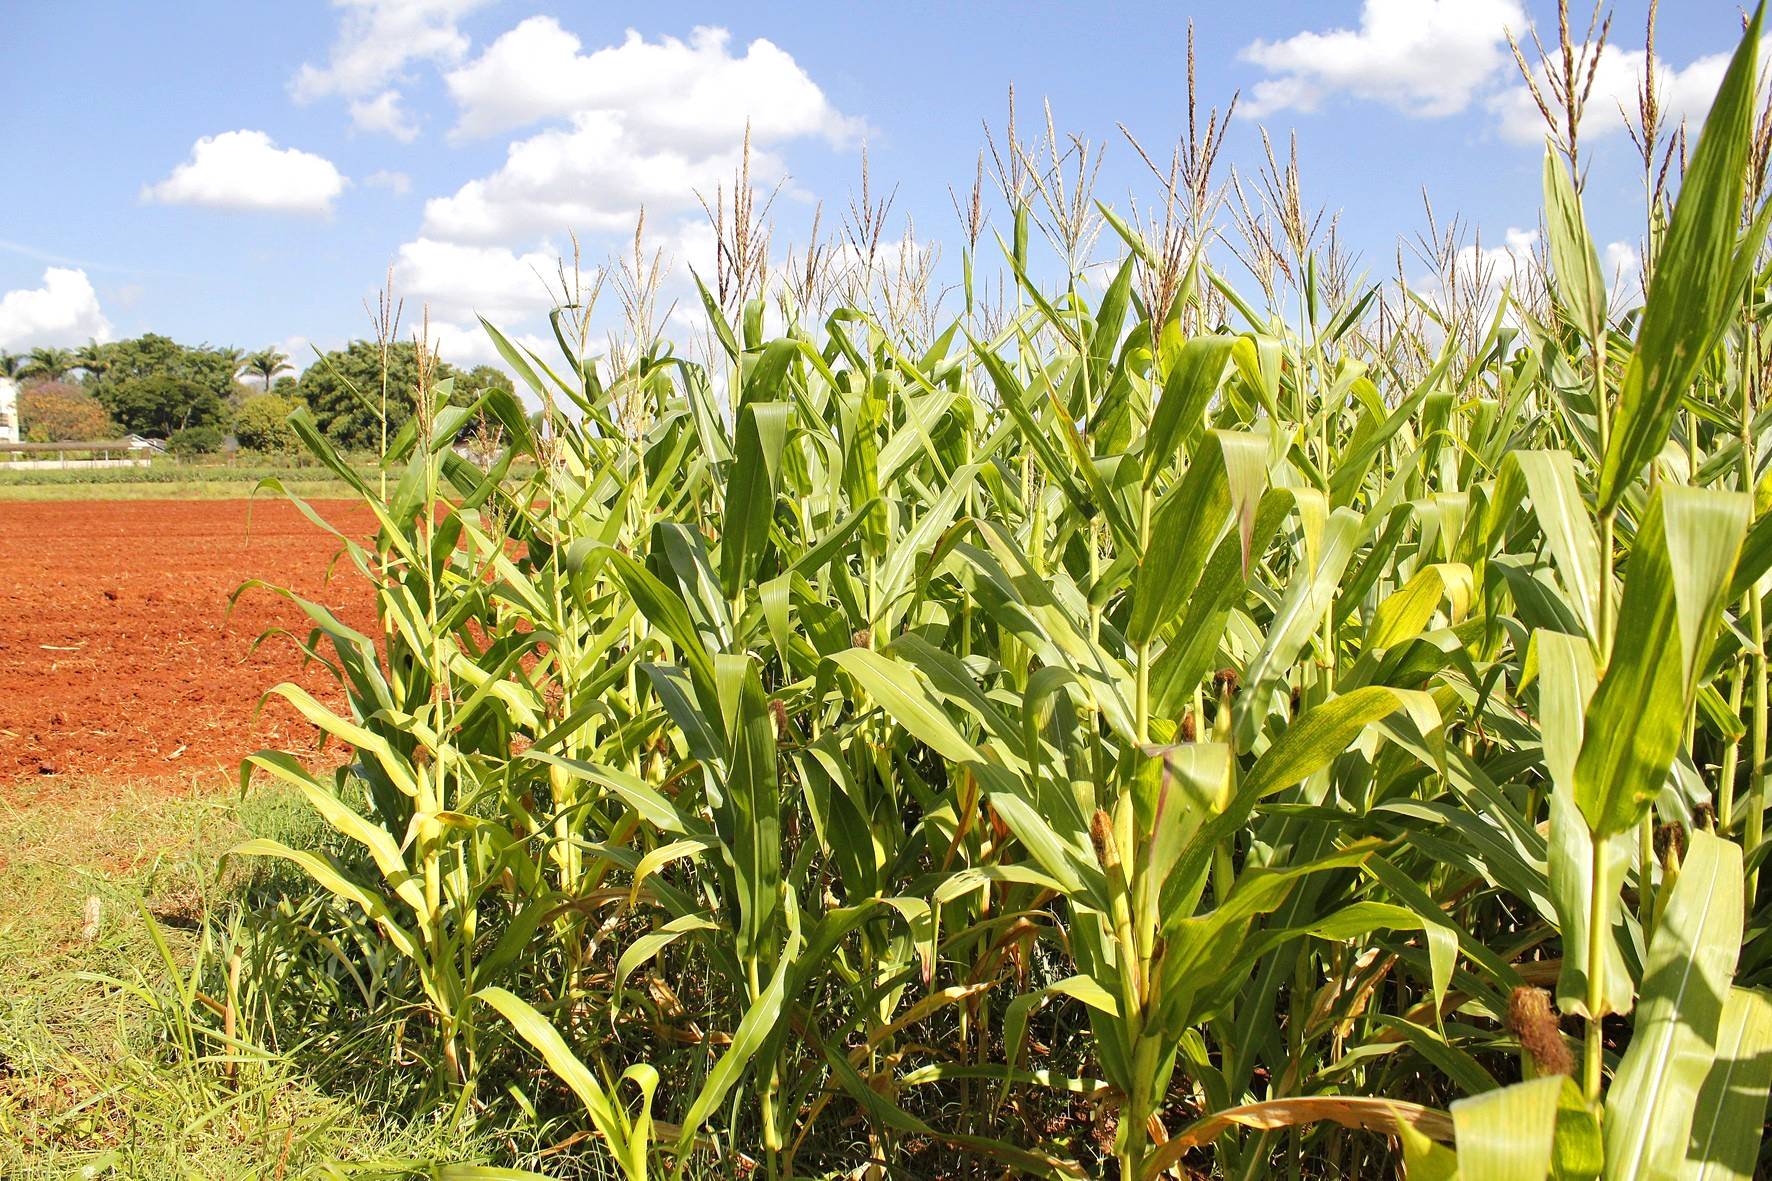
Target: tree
[
  {"x": 151, "y": 355},
  {"x": 48, "y": 364},
  {"x": 469, "y": 386},
  {"x": 56, "y": 412},
  {"x": 266, "y": 363},
  {"x": 89, "y": 358},
  {"x": 195, "y": 440},
  {"x": 154, "y": 386},
  {"x": 483, "y": 377},
  {"x": 344, "y": 390},
  {"x": 162, "y": 404},
  {"x": 234, "y": 358},
  {"x": 12, "y": 366},
  {"x": 261, "y": 424}
]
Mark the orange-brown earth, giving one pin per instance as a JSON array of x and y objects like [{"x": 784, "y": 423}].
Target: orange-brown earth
[{"x": 118, "y": 654}]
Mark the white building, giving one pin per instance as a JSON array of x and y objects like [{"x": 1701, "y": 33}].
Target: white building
[{"x": 8, "y": 410}]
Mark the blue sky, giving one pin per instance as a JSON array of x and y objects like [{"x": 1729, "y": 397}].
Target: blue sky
[{"x": 246, "y": 173}]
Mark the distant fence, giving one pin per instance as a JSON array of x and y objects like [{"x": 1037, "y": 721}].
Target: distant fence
[
  {"x": 18, "y": 465},
  {"x": 130, "y": 451}
]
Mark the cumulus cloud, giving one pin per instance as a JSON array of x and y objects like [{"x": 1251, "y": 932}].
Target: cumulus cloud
[
  {"x": 467, "y": 345},
  {"x": 377, "y": 40},
  {"x": 1621, "y": 258},
  {"x": 1439, "y": 57},
  {"x": 694, "y": 93},
  {"x": 638, "y": 124},
  {"x": 1516, "y": 264},
  {"x": 592, "y": 176},
  {"x": 383, "y": 113},
  {"x": 63, "y": 311},
  {"x": 1684, "y": 93},
  {"x": 300, "y": 351},
  {"x": 1623, "y": 268},
  {"x": 460, "y": 281},
  {"x": 606, "y": 132},
  {"x": 1494, "y": 267},
  {"x": 247, "y": 170},
  {"x": 1424, "y": 57},
  {"x": 1477, "y": 273}
]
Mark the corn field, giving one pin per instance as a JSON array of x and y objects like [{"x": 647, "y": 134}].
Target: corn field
[{"x": 1122, "y": 726}]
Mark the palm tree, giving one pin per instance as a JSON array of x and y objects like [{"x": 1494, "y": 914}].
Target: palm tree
[
  {"x": 48, "y": 364},
  {"x": 11, "y": 366},
  {"x": 266, "y": 363},
  {"x": 90, "y": 358}
]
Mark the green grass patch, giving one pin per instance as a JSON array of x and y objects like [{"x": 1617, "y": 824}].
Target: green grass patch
[
  {"x": 169, "y": 480},
  {"x": 201, "y": 489},
  {"x": 117, "y": 906}
]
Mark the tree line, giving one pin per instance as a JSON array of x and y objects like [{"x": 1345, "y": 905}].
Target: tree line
[{"x": 196, "y": 396}]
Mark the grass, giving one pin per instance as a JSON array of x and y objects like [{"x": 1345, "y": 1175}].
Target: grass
[
  {"x": 193, "y": 489},
  {"x": 170, "y": 480},
  {"x": 167, "y": 479},
  {"x": 91, "y": 1083}
]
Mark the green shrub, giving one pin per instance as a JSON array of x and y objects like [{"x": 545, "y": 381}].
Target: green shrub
[
  {"x": 195, "y": 441},
  {"x": 261, "y": 425}
]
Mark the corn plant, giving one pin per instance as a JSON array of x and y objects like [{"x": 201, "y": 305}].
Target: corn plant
[{"x": 1132, "y": 729}]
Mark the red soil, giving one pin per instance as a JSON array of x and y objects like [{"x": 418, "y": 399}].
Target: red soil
[{"x": 118, "y": 656}]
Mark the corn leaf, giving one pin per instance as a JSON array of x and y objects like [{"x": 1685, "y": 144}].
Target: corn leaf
[
  {"x": 1673, "y": 596},
  {"x": 1507, "y": 1134},
  {"x": 1729, "y": 1123},
  {"x": 1695, "y": 283},
  {"x": 1686, "y": 980}
]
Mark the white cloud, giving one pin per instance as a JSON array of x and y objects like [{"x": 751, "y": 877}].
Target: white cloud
[
  {"x": 1621, "y": 259},
  {"x": 63, "y": 311},
  {"x": 459, "y": 281},
  {"x": 461, "y": 346},
  {"x": 1623, "y": 268},
  {"x": 592, "y": 176},
  {"x": 642, "y": 124},
  {"x": 377, "y": 40},
  {"x": 1516, "y": 264},
  {"x": 689, "y": 245},
  {"x": 1511, "y": 262},
  {"x": 300, "y": 351},
  {"x": 247, "y": 170},
  {"x": 397, "y": 183},
  {"x": 384, "y": 114},
  {"x": 467, "y": 345},
  {"x": 1424, "y": 57},
  {"x": 1684, "y": 93},
  {"x": 1483, "y": 271},
  {"x": 693, "y": 93},
  {"x": 637, "y": 124}
]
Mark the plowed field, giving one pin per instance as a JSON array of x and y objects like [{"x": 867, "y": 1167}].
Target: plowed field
[{"x": 118, "y": 656}]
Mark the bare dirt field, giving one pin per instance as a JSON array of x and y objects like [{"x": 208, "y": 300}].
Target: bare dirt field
[{"x": 118, "y": 656}]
